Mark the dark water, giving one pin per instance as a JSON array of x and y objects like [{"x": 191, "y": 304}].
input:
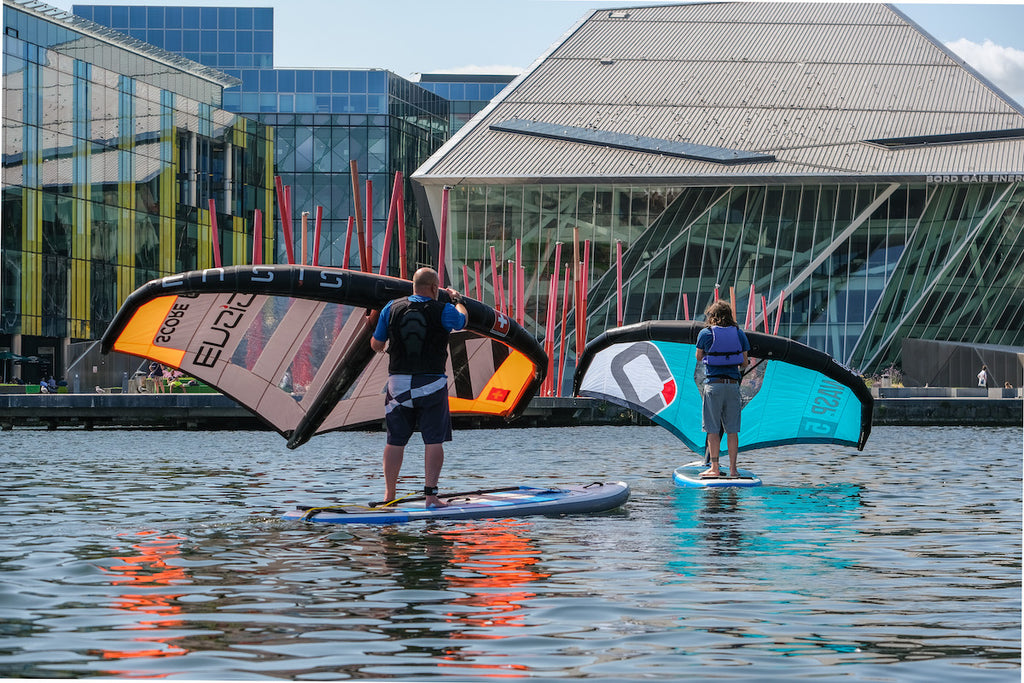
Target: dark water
[{"x": 160, "y": 554}]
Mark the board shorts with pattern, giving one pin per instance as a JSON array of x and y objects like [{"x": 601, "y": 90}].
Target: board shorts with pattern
[
  {"x": 721, "y": 411},
  {"x": 417, "y": 401}
]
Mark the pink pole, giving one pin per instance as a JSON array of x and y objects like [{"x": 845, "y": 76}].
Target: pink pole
[
  {"x": 214, "y": 234},
  {"x": 304, "y": 222},
  {"x": 565, "y": 317},
  {"x": 522, "y": 295},
  {"x": 364, "y": 261},
  {"x": 519, "y": 282},
  {"x": 549, "y": 332},
  {"x": 288, "y": 209},
  {"x": 465, "y": 279},
  {"x": 389, "y": 228},
  {"x": 618, "y": 282},
  {"x": 348, "y": 241},
  {"x": 686, "y": 307},
  {"x": 369, "y": 226},
  {"x": 476, "y": 268},
  {"x": 585, "y": 287},
  {"x": 282, "y": 208},
  {"x": 764, "y": 310},
  {"x": 257, "y": 238},
  {"x": 495, "y": 279},
  {"x": 510, "y": 306},
  {"x": 403, "y": 269},
  {"x": 549, "y": 343},
  {"x": 318, "y": 224},
  {"x": 751, "y": 307},
  {"x": 778, "y": 312},
  {"x": 443, "y": 237}
]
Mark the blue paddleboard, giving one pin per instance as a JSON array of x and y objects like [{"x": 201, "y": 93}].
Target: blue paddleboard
[
  {"x": 689, "y": 476},
  {"x": 512, "y": 501}
]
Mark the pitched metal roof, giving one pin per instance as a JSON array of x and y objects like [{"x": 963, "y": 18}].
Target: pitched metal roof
[{"x": 814, "y": 85}]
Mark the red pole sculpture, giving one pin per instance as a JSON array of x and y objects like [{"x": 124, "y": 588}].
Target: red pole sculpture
[
  {"x": 302, "y": 241},
  {"x": 369, "y": 226},
  {"x": 348, "y": 241},
  {"x": 561, "y": 343},
  {"x": 403, "y": 269},
  {"x": 385, "y": 252},
  {"x": 318, "y": 223},
  {"x": 476, "y": 268},
  {"x": 360, "y": 227},
  {"x": 519, "y": 310},
  {"x": 618, "y": 283},
  {"x": 443, "y": 236},
  {"x": 257, "y": 238},
  {"x": 495, "y": 279},
  {"x": 778, "y": 312},
  {"x": 214, "y": 236},
  {"x": 282, "y": 208},
  {"x": 549, "y": 331}
]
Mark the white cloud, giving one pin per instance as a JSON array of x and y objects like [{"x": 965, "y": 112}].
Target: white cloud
[{"x": 1004, "y": 66}]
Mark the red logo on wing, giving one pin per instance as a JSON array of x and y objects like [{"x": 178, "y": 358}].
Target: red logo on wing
[
  {"x": 501, "y": 324},
  {"x": 497, "y": 394},
  {"x": 668, "y": 391}
]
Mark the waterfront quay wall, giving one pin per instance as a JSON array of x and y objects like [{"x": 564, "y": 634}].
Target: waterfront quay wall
[{"x": 909, "y": 407}]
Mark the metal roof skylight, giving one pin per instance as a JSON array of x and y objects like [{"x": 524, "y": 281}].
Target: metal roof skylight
[{"x": 636, "y": 143}]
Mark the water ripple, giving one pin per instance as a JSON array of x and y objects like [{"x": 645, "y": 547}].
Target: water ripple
[{"x": 159, "y": 554}]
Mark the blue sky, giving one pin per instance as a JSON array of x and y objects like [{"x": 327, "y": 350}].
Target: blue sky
[{"x": 506, "y": 36}]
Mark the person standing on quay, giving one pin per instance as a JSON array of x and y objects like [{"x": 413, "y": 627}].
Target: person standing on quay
[
  {"x": 722, "y": 347},
  {"x": 418, "y": 328},
  {"x": 983, "y": 377}
]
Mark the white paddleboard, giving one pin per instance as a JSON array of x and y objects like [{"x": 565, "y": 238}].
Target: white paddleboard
[
  {"x": 512, "y": 501},
  {"x": 689, "y": 476}
]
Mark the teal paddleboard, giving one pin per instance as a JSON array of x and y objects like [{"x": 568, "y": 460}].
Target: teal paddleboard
[{"x": 689, "y": 476}]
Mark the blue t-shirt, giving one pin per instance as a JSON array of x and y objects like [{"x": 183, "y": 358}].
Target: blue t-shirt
[
  {"x": 451, "y": 318},
  {"x": 704, "y": 341}
]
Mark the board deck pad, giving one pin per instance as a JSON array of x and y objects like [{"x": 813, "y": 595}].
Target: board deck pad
[
  {"x": 688, "y": 476},
  {"x": 513, "y": 501}
]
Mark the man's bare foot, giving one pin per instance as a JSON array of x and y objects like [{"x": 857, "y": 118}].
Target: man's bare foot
[
  {"x": 435, "y": 502},
  {"x": 710, "y": 474}
]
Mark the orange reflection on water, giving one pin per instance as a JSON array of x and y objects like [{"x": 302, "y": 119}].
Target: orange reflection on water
[
  {"x": 149, "y": 568},
  {"x": 495, "y": 556}
]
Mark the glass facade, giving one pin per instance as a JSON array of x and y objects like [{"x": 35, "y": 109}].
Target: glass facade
[
  {"x": 107, "y": 177},
  {"x": 857, "y": 267},
  {"x": 323, "y": 118},
  {"x": 467, "y": 93}
]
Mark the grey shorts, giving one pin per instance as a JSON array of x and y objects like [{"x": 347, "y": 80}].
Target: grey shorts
[{"x": 721, "y": 408}]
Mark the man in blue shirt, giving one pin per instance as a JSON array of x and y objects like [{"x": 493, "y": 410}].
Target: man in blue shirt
[
  {"x": 418, "y": 328},
  {"x": 722, "y": 347}
]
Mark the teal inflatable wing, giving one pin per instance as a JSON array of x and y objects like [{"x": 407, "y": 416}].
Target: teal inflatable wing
[{"x": 791, "y": 394}]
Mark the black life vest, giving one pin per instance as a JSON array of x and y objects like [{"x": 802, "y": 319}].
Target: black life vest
[
  {"x": 726, "y": 348},
  {"x": 419, "y": 341}
]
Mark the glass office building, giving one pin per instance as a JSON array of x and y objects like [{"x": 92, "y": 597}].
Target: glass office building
[
  {"x": 112, "y": 150},
  {"x": 466, "y": 93},
  {"x": 775, "y": 148},
  {"x": 322, "y": 118}
]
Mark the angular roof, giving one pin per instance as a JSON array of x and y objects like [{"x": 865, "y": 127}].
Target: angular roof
[{"x": 822, "y": 90}]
